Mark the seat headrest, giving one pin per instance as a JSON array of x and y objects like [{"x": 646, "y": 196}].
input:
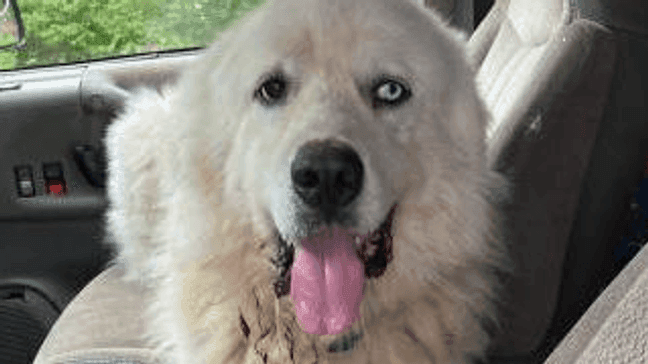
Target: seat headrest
[{"x": 536, "y": 21}]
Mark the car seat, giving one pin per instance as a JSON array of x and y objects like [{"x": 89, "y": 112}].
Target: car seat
[
  {"x": 562, "y": 80},
  {"x": 563, "y": 89}
]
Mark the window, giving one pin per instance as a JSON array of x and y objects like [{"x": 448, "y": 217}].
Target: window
[{"x": 67, "y": 31}]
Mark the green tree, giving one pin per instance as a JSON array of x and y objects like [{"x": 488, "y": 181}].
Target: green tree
[{"x": 64, "y": 31}]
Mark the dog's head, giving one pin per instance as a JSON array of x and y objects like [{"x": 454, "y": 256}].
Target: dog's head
[{"x": 350, "y": 135}]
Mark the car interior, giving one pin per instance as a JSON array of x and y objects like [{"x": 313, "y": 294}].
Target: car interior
[{"x": 564, "y": 83}]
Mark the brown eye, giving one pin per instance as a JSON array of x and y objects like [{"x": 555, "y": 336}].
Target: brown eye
[{"x": 272, "y": 91}]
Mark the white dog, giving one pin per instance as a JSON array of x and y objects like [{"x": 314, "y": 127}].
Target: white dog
[{"x": 313, "y": 191}]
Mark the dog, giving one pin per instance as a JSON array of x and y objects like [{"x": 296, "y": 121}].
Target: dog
[{"x": 313, "y": 189}]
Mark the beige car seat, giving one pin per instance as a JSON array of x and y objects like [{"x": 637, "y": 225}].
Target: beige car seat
[{"x": 567, "y": 124}]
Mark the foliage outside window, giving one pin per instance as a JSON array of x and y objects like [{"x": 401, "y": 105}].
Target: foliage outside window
[{"x": 66, "y": 31}]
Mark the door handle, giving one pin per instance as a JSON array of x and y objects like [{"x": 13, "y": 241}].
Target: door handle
[{"x": 92, "y": 163}]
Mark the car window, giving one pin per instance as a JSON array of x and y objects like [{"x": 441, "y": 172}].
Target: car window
[{"x": 67, "y": 31}]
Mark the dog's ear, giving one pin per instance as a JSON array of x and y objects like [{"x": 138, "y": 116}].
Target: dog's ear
[
  {"x": 442, "y": 11},
  {"x": 444, "y": 7},
  {"x": 469, "y": 117},
  {"x": 133, "y": 153}
]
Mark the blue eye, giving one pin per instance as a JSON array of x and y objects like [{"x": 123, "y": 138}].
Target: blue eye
[{"x": 389, "y": 93}]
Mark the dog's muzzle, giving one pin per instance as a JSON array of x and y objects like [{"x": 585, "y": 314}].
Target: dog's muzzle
[{"x": 326, "y": 277}]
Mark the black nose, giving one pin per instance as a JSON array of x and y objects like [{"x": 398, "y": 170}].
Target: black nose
[{"x": 327, "y": 175}]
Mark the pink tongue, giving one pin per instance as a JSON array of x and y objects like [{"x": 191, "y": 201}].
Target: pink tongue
[{"x": 326, "y": 284}]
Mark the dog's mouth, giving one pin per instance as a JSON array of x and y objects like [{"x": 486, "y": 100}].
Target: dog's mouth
[{"x": 373, "y": 250}]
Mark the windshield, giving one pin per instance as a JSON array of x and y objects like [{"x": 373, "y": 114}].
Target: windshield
[{"x": 67, "y": 31}]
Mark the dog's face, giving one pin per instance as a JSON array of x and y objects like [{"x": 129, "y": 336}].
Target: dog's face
[
  {"x": 351, "y": 88},
  {"x": 340, "y": 114}
]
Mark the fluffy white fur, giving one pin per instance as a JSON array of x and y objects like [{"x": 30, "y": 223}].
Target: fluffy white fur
[{"x": 198, "y": 186}]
